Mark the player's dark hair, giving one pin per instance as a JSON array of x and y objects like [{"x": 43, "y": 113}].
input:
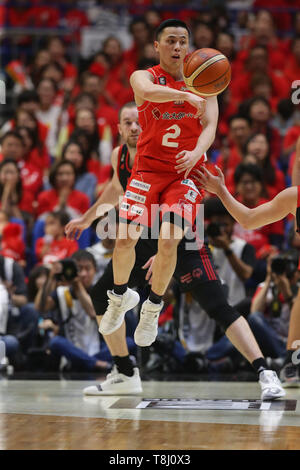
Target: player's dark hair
[
  {"x": 248, "y": 169},
  {"x": 130, "y": 104},
  {"x": 84, "y": 255},
  {"x": 172, "y": 22}
]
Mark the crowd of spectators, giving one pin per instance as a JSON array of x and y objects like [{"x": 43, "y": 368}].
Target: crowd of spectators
[{"x": 57, "y": 133}]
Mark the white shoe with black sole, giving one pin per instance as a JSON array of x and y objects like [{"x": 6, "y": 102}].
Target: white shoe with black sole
[{"x": 117, "y": 384}]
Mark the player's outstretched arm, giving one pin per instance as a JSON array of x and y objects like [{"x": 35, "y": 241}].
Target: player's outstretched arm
[
  {"x": 283, "y": 204},
  {"x": 110, "y": 196},
  {"x": 145, "y": 90}
]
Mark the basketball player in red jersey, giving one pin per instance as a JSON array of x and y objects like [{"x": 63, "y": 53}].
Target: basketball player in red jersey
[
  {"x": 286, "y": 202},
  {"x": 206, "y": 289},
  {"x": 177, "y": 129}
]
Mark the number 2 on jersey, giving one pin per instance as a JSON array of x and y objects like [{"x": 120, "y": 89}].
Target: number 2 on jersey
[{"x": 169, "y": 136}]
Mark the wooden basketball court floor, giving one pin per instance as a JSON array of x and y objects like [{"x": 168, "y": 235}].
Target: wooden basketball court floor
[{"x": 54, "y": 414}]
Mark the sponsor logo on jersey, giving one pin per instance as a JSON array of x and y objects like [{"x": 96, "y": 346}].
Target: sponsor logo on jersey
[
  {"x": 186, "y": 207},
  {"x": 135, "y": 197},
  {"x": 125, "y": 206},
  {"x": 191, "y": 184},
  {"x": 162, "y": 80},
  {"x": 156, "y": 113},
  {"x": 140, "y": 185},
  {"x": 177, "y": 116},
  {"x": 137, "y": 210},
  {"x": 191, "y": 195}
]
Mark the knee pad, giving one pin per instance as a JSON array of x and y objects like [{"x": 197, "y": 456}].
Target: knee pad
[{"x": 223, "y": 314}]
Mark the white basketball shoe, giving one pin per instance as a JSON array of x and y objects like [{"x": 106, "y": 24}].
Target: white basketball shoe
[
  {"x": 117, "y": 384},
  {"x": 146, "y": 331},
  {"x": 271, "y": 387},
  {"x": 118, "y": 305}
]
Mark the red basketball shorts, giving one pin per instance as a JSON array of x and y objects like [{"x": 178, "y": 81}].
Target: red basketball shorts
[{"x": 151, "y": 192}]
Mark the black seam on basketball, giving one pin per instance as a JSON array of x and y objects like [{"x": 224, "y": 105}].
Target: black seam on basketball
[
  {"x": 209, "y": 58},
  {"x": 188, "y": 61},
  {"x": 200, "y": 86}
]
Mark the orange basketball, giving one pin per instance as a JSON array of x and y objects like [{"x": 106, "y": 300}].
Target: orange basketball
[{"x": 206, "y": 72}]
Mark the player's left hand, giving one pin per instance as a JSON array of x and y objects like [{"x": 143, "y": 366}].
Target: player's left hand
[{"x": 186, "y": 160}]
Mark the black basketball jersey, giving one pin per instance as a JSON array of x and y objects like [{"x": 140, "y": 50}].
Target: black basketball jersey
[
  {"x": 123, "y": 168},
  {"x": 298, "y": 212}
]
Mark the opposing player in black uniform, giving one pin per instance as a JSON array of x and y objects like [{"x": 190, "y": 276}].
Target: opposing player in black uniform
[{"x": 194, "y": 272}]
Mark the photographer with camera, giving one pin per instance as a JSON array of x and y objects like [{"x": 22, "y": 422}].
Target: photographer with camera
[
  {"x": 69, "y": 315},
  {"x": 18, "y": 319},
  {"x": 271, "y": 305},
  {"x": 233, "y": 257}
]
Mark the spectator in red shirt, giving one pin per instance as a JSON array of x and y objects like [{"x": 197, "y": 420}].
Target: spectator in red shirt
[
  {"x": 119, "y": 72},
  {"x": 292, "y": 65},
  {"x": 239, "y": 132},
  {"x": 203, "y": 36},
  {"x": 140, "y": 31},
  {"x": 35, "y": 155},
  {"x": 273, "y": 178},
  {"x": 257, "y": 62},
  {"x": 249, "y": 189},
  {"x": 63, "y": 196},
  {"x": 258, "y": 109},
  {"x": 57, "y": 50},
  {"x": 14, "y": 147},
  {"x": 54, "y": 246},
  {"x": 40, "y": 59},
  {"x": 94, "y": 85},
  {"x": 11, "y": 242},
  {"x": 74, "y": 19},
  {"x": 12, "y": 199}
]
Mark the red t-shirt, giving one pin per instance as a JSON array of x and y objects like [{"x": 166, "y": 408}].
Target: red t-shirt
[
  {"x": 291, "y": 136},
  {"x": 12, "y": 244},
  {"x": 59, "y": 249},
  {"x": 167, "y": 128},
  {"x": 48, "y": 200},
  {"x": 292, "y": 70}
]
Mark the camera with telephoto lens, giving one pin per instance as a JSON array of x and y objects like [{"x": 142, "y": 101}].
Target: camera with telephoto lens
[
  {"x": 284, "y": 265},
  {"x": 69, "y": 270},
  {"x": 214, "y": 230}
]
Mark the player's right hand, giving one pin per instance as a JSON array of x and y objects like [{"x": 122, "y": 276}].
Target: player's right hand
[
  {"x": 198, "y": 103},
  {"x": 75, "y": 227},
  {"x": 208, "y": 181}
]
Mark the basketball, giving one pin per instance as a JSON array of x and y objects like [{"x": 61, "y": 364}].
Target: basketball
[{"x": 206, "y": 72}]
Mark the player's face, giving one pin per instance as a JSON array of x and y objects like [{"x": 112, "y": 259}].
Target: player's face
[
  {"x": 129, "y": 126},
  {"x": 173, "y": 45}
]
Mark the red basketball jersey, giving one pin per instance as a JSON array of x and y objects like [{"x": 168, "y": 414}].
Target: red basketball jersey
[{"x": 167, "y": 128}]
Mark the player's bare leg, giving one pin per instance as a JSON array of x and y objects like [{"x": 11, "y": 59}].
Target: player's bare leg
[
  {"x": 163, "y": 269},
  {"x": 121, "y": 298},
  {"x": 290, "y": 372},
  {"x": 241, "y": 336}
]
